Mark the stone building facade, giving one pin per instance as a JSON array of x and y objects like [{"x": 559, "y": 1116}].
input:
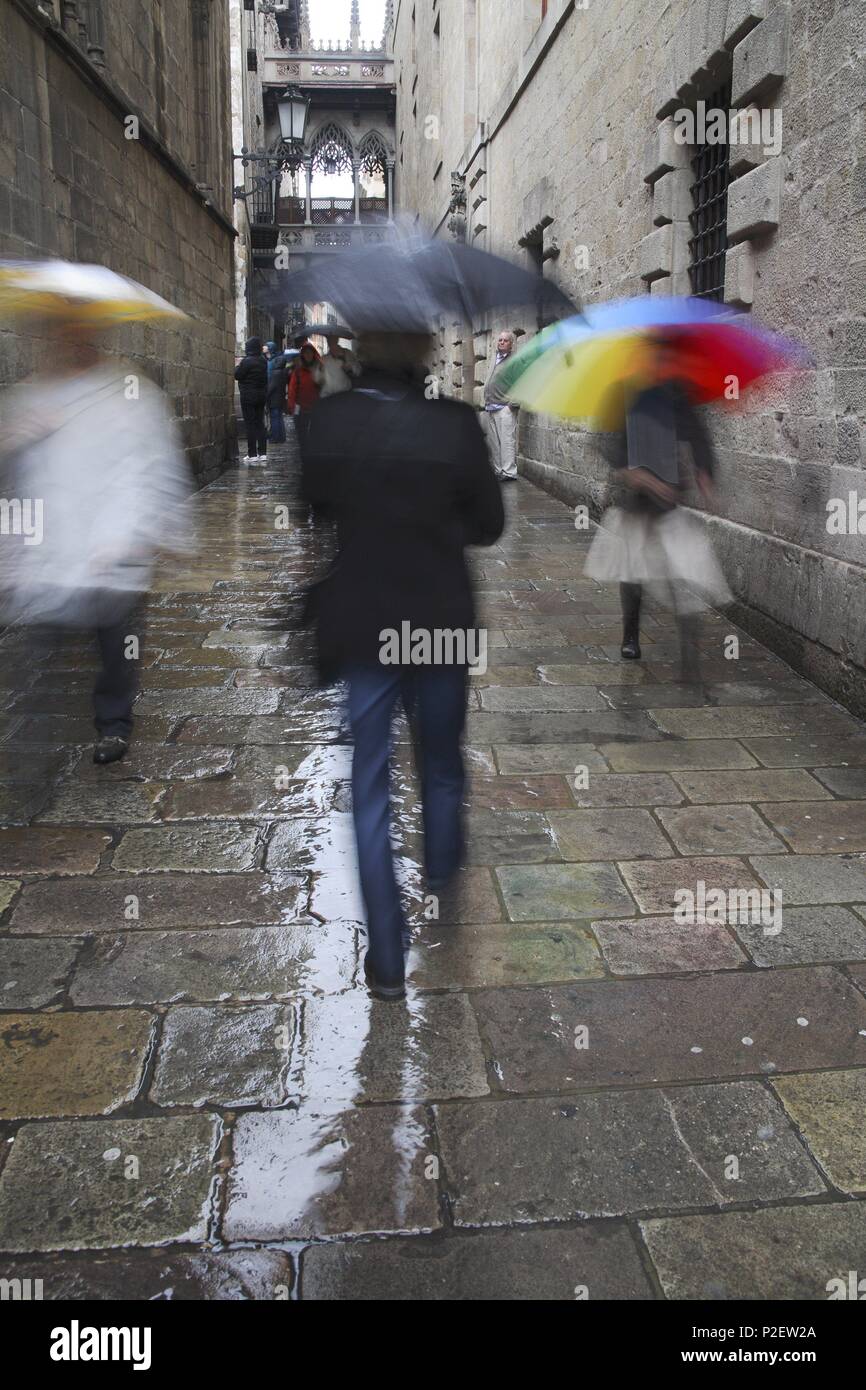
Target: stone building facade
[
  {"x": 115, "y": 147},
  {"x": 555, "y": 131}
]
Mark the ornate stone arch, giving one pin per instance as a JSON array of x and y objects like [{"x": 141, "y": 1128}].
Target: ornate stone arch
[
  {"x": 331, "y": 150},
  {"x": 373, "y": 155}
]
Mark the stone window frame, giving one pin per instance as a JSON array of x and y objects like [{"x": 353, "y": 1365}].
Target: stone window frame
[{"x": 710, "y": 36}]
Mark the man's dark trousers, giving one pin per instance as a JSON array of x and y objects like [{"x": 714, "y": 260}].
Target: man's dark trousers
[
  {"x": 117, "y": 682},
  {"x": 437, "y": 696}
]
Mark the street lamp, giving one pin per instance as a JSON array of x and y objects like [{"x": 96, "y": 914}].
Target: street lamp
[{"x": 293, "y": 108}]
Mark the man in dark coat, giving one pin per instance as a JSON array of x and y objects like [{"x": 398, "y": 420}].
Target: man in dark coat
[
  {"x": 409, "y": 482},
  {"x": 251, "y": 374}
]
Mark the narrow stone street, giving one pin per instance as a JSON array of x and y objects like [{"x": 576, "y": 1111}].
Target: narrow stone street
[{"x": 579, "y": 1098}]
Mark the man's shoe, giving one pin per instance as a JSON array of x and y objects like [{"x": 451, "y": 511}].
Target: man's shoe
[
  {"x": 379, "y": 989},
  {"x": 110, "y": 750},
  {"x": 630, "y": 650}
]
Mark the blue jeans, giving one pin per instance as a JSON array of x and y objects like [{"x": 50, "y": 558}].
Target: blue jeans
[
  {"x": 278, "y": 426},
  {"x": 436, "y": 697}
]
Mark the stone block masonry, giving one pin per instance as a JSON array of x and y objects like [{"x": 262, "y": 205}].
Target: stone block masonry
[{"x": 156, "y": 206}]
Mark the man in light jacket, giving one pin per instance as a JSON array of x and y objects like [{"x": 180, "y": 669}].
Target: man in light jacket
[
  {"x": 94, "y": 443},
  {"x": 501, "y": 417}
]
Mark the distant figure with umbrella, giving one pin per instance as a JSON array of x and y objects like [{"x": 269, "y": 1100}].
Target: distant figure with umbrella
[
  {"x": 409, "y": 483},
  {"x": 644, "y": 365},
  {"x": 303, "y": 391},
  {"x": 648, "y": 540}
]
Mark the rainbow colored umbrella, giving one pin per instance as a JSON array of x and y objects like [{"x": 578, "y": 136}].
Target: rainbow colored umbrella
[{"x": 590, "y": 367}]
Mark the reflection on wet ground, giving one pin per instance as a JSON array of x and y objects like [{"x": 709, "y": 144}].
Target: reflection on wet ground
[{"x": 198, "y": 1099}]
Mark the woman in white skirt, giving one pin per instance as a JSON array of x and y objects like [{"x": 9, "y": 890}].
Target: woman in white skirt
[{"x": 650, "y": 541}]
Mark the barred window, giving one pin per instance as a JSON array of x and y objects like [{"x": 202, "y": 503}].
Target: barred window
[{"x": 708, "y": 243}]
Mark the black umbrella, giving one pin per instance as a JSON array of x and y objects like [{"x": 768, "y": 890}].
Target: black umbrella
[{"x": 406, "y": 284}]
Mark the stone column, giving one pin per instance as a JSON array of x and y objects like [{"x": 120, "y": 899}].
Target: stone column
[
  {"x": 390, "y": 178},
  {"x": 308, "y": 170},
  {"x": 356, "y": 169}
]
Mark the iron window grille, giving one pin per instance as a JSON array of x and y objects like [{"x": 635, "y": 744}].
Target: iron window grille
[{"x": 708, "y": 243}]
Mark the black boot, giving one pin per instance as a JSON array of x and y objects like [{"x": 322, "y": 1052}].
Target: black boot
[{"x": 630, "y": 597}]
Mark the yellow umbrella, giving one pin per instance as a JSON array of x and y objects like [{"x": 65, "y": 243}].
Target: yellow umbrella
[
  {"x": 91, "y": 295},
  {"x": 591, "y": 379}
]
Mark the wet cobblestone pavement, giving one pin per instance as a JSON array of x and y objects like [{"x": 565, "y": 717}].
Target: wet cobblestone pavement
[{"x": 579, "y": 1097}]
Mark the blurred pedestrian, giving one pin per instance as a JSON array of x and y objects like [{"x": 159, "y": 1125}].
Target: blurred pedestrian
[
  {"x": 501, "y": 417},
  {"x": 409, "y": 483},
  {"x": 278, "y": 404},
  {"x": 303, "y": 392},
  {"x": 340, "y": 368},
  {"x": 648, "y": 541},
  {"x": 93, "y": 441},
  {"x": 251, "y": 374}
]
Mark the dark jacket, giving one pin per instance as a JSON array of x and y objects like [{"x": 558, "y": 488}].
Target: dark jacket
[
  {"x": 662, "y": 421},
  {"x": 278, "y": 382},
  {"x": 251, "y": 374},
  {"x": 409, "y": 483}
]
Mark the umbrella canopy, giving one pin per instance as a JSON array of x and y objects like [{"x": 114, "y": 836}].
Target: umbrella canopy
[
  {"x": 591, "y": 367},
  {"x": 405, "y": 285},
  {"x": 90, "y": 294}
]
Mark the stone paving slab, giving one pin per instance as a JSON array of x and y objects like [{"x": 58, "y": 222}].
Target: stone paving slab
[
  {"x": 608, "y": 834},
  {"x": 655, "y": 883},
  {"x": 845, "y": 750},
  {"x": 120, "y": 803},
  {"x": 479, "y": 956},
  {"x": 828, "y": 1109},
  {"x": 206, "y": 1276},
  {"x": 51, "y": 851},
  {"x": 672, "y": 755},
  {"x": 813, "y": 827},
  {"x": 659, "y": 1030},
  {"x": 203, "y": 966},
  {"x": 154, "y": 762},
  {"x": 232, "y": 799},
  {"x": 71, "y": 1063},
  {"x": 813, "y": 878},
  {"x": 661, "y": 946},
  {"x": 224, "y": 1056},
  {"x": 230, "y": 847},
  {"x": 790, "y": 1253},
  {"x": 626, "y": 789},
  {"x": 562, "y": 892},
  {"x": 514, "y": 758},
  {"x": 618, "y": 1153},
  {"x": 424, "y": 1049},
  {"x": 782, "y": 784},
  {"x": 34, "y": 973},
  {"x": 719, "y": 830},
  {"x": 8, "y": 889},
  {"x": 595, "y": 1261},
  {"x": 118, "y": 902},
  {"x": 320, "y": 1171},
  {"x": 819, "y": 933},
  {"x": 743, "y": 721},
  {"x": 98, "y": 1185},
  {"x": 842, "y": 781},
  {"x": 519, "y": 793}
]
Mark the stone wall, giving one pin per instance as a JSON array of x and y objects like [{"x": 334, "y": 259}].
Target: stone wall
[
  {"x": 156, "y": 207},
  {"x": 573, "y": 160}
]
